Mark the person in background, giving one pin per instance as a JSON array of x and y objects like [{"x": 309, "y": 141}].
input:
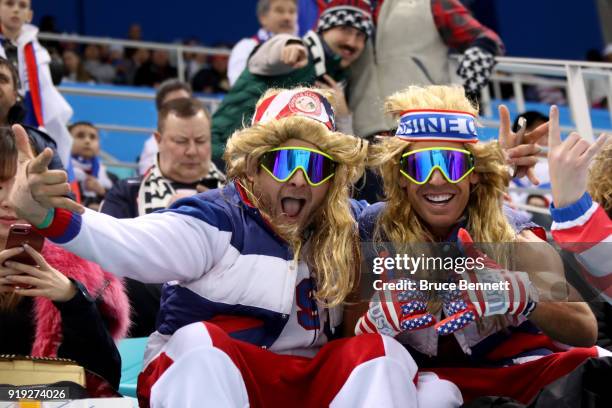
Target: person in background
[
  {"x": 275, "y": 16},
  {"x": 156, "y": 70},
  {"x": 182, "y": 168},
  {"x": 532, "y": 120},
  {"x": 12, "y": 111},
  {"x": 74, "y": 71},
  {"x": 212, "y": 79},
  {"x": 89, "y": 171},
  {"x": 319, "y": 58},
  {"x": 96, "y": 65},
  {"x": 411, "y": 47},
  {"x": 167, "y": 91},
  {"x": 63, "y": 306},
  {"x": 45, "y": 107}
]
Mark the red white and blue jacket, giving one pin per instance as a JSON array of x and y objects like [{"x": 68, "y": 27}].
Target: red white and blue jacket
[
  {"x": 222, "y": 261},
  {"x": 585, "y": 229}
]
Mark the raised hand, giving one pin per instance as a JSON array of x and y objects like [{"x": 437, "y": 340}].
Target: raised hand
[
  {"x": 295, "y": 55},
  {"x": 519, "y": 148},
  {"x": 516, "y": 295},
  {"x": 38, "y": 189},
  {"x": 568, "y": 162}
]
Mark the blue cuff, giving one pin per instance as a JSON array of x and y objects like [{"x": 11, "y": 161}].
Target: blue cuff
[{"x": 572, "y": 211}]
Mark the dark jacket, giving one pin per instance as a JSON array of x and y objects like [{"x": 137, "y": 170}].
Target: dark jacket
[
  {"x": 238, "y": 105},
  {"x": 83, "y": 329}
]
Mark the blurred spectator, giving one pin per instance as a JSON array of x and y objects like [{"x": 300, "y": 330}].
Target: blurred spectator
[
  {"x": 89, "y": 171},
  {"x": 607, "y": 53},
  {"x": 96, "y": 67},
  {"x": 74, "y": 71},
  {"x": 12, "y": 111},
  {"x": 138, "y": 58},
  {"x": 156, "y": 70},
  {"x": 47, "y": 25},
  {"x": 45, "y": 106},
  {"x": 533, "y": 119},
  {"x": 319, "y": 59},
  {"x": 169, "y": 90},
  {"x": 596, "y": 88},
  {"x": 134, "y": 34},
  {"x": 411, "y": 47},
  {"x": 212, "y": 79},
  {"x": 183, "y": 163},
  {"x": 193, "y": 61},
  {"x": 183, "y": 167},
  {"x": 275, "y": 16}
]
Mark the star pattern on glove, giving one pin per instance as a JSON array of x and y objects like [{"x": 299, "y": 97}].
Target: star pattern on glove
[
  {"x": 453, "y": 324},
  {"x": 475, "y": 68}
]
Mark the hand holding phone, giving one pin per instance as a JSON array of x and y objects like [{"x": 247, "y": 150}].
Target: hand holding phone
[{"x": 20, "y": 235}]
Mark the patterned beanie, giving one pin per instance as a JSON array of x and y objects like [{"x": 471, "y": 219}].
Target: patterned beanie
[{"x": 352, "y": 13}]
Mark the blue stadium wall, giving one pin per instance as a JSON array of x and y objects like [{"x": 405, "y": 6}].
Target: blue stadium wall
[{"x": 530, "y": 28}]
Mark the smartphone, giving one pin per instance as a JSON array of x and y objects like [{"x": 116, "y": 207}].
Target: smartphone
[{"x": 21, "y": 234}]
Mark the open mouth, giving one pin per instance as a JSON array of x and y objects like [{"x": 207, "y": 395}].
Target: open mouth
[
  {"x": 292, "y": 207},
  {"x": 438, "y": 199}
]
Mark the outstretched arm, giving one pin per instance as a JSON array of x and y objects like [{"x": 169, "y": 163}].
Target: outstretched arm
[{"x": 178, "y": 245}]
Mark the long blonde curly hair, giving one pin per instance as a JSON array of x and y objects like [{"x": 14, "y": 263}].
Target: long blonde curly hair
[
  {"x": 600, "y": 179},
  {"x": 332, "y": 248},
  {"x": 399, "y": 223}
]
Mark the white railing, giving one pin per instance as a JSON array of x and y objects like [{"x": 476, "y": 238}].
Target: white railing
[
  {"x": 568, "y": 75},
  {"x": 177, "y": 50},
  {"x": 211, "y": 103}
]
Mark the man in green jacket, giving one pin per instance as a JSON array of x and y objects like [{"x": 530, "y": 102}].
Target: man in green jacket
[{"x": 285, "y": 61}]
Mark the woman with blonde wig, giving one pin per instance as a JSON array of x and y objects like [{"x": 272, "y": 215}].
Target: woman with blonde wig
[
  {"x": 258, "y": 271},
  {"x": 444, "y": 186}
]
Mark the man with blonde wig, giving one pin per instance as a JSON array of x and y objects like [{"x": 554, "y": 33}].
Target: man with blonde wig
[
  {"x": 259, "y": 270},
  {"x": 443, "y": 186}
]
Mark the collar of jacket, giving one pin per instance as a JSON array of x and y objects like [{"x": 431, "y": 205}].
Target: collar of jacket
[{"x": 325, "y": 61}]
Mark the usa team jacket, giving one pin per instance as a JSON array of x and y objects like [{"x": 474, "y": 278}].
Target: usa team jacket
[
  {"x": 584, "y": 228},
  {"x": 223, "y": 263}
]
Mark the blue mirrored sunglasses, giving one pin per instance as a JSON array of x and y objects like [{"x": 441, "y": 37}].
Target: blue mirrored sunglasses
[
  {"x": 281, "y": 163},
  {"x": 454, "y": 164}
]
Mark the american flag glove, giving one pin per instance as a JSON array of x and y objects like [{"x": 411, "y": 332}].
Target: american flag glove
[
  {"x": 394, "y": 311},
  {"x": 475, "y": 69},
  {"x": 514, "y": 295}
]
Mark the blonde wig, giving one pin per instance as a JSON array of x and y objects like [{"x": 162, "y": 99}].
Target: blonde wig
[
  {"x": 332, "y": 248},
  {"x": 399, "y": 223},
  {"x": 600, "y": 179}
]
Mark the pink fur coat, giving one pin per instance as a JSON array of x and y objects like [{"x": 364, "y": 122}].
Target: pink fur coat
[{"x": 115, "y": 307}]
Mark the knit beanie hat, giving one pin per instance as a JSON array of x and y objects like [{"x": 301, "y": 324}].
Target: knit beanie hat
[{"x": 352, "y": 13}]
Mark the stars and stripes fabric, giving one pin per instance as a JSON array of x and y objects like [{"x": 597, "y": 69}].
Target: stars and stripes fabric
[
  {"x": 391, "y": 312},
  {"x": 305, "y": 103},
  {"x": 489, "y": 291},
  {"x": 475, "y": 69},
  {"x": 585, "y": 230}
]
